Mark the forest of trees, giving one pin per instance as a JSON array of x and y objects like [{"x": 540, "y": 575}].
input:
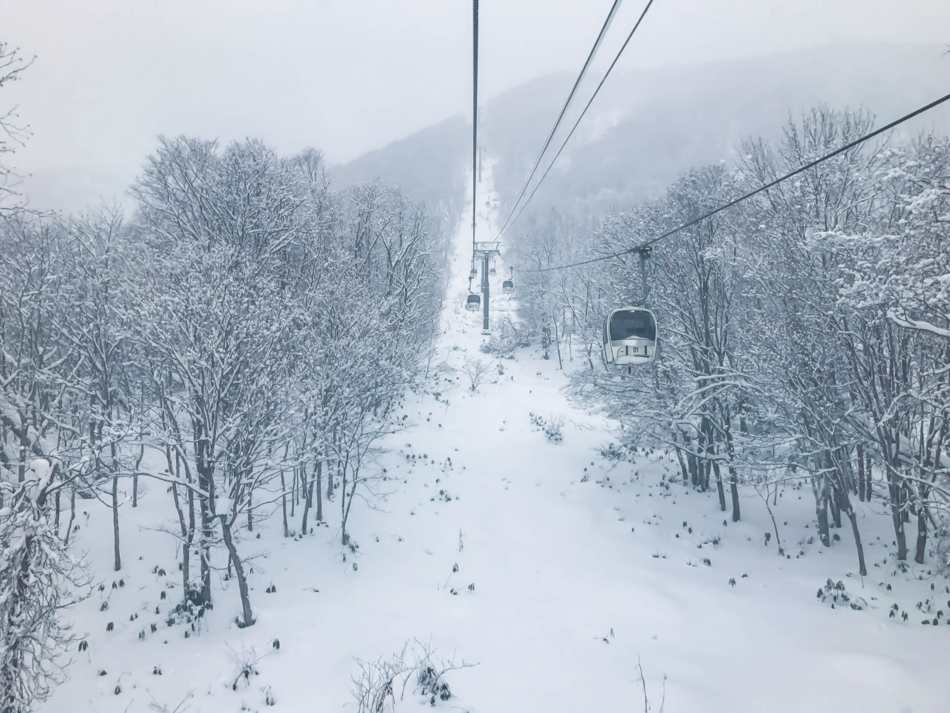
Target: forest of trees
[
  {"x": 237, "y": 343},
  {"x": 242, "y": 339},
  {"x": 804, "y": 335}
]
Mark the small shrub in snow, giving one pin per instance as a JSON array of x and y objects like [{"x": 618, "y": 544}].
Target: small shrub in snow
[
  {"x": 614, "y": 453},
  {"x": 897, "y": 611},
  {"x": 246, "y": 663},
  {"x": 164, "y": 708},
  {"x": 444, "y": 495},
  {"x": 477, "y": 371},
  {"x": 432, "y": 686},
  {"x": 375, "y": 687},
  {"x": 552, "y": 428},
  {"x": 189, "y": 611},
  {"x": 835, "y": 593}
]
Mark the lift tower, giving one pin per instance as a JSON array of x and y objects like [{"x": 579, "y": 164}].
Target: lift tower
[{"x": 485, "y": 251}]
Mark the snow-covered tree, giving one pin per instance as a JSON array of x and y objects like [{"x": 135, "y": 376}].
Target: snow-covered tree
[
  {"x": 803, "y": 334},
  {"x": 37, "y": 579}
]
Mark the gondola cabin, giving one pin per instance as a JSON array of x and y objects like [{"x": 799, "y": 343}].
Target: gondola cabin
[
  {"x": 473, "y": 302},
  {"x": 630, "y": 336},
  {"x": 508, "y": 286}
]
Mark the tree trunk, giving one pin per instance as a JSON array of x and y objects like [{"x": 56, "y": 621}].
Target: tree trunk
[
  {"x": 24, "y": 450},
  {"x": 204, "y": 543},
  {"x": 307, "y": 492},
  {"x": 238, "y": 571},
  {"x": 852, "y": 516},
  {"x": 115, "y": 522},
  {"x": 346, "y": 501},
  {"x": 135, "y": 476},
  {"x": 283, "y": 502},
  {"x": 710, "y": 463},
  {"x": 734, "y": 492},
  {"x": 820, "y": 488},
  {"x": 836, "y": 512},
  {"x": 72, "y": 516},
  {"x": 709, "y": 449},
  {"x": 694, "y": 471},
  {"x": 250, "y": 510},
  {"x": 894, "y": 490},
  {"x": 293, "y": 493},
  {"x": 733, "y": 474},
  {"x": 691, "y": 462},
  {"x": 186, "y": 569},
  {"x": 319, "y": 494},
  {"x": 187, "y": 526},
  {"x": 719, "y": 488},
  {"x": 921, "y": 547},
  {"x": 778, "y": 540},
  {"x": 343, "y": 509},
  {"x": 863, "y": 494},
  {"x": 186, "y": 555},
  {"x": 683, "y": 469}
]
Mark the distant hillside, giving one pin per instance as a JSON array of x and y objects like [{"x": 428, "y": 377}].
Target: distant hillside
[
  {"x": 429, "y": 166},
  {"x": 645, "y": 128}
]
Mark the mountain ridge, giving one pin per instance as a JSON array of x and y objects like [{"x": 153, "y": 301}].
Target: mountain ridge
[{"x": 648, "y": 126}]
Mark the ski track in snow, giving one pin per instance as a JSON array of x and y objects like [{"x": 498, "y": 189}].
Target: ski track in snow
[{"x": 557, "y": 563}]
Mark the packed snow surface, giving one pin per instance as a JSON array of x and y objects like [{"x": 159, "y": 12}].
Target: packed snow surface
[{"x": 554, "y": 570}]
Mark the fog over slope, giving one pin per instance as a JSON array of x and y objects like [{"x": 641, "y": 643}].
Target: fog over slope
[
  {"x": 647, "y": 127},
  {"x": 429, "y": 166}
]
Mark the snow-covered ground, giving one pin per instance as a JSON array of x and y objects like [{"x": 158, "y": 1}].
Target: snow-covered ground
[{"x": 582, "y": 568}]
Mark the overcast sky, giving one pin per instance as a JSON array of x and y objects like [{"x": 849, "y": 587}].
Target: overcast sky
[{"x": 347, "y": 76}]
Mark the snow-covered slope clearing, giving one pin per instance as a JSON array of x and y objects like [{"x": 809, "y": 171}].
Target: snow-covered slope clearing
[{"x": 563, "y": 575}]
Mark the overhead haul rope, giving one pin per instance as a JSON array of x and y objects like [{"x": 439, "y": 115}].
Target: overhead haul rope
[
  {"x": 750, "y": 194},
  {"x": 547, "y": 143},
  {"x": 577, "y": 123},
  {"x": 474, "y": 120}
]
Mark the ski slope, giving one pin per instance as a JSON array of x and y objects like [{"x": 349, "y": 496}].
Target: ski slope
[{"x": 582, "y": 569}]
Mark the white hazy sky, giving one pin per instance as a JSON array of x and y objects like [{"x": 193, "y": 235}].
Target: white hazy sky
[{"x": 347, "y": 76}]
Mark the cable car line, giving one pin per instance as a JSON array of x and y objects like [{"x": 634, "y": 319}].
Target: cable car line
[
  {"x": 573, "y": 129},
  {"x": 570, "y": 96},
  {"x": 750, "y": 194},
  {"x": 474, "y": 120}
]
